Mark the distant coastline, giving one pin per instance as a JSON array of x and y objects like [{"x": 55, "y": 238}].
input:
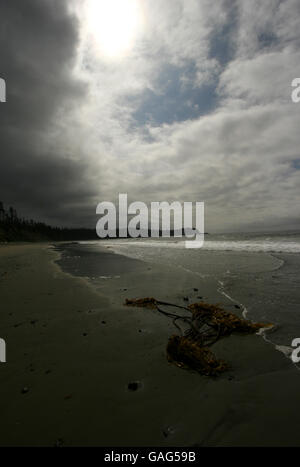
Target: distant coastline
[{"x": 16, "y": 229}]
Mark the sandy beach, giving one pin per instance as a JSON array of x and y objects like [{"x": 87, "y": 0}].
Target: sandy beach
[{"x": 73, "y": 348}]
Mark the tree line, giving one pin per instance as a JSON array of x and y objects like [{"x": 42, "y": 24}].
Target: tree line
[{"x": 15, "y": 228}]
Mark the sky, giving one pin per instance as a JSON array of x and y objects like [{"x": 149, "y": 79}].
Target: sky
[{"x": 165, "y": 100}]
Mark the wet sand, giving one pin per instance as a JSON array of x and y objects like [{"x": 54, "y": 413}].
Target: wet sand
[{"x": 72, "y": 350}]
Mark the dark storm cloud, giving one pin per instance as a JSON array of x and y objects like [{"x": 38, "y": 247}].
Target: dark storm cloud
[
  {"x": 48, "y": 187},
  {"x": 38, "y": 40}
]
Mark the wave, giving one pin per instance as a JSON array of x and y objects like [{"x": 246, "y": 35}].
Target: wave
[
  {"x": 272, "y": 246},
  {"x": 259, "y": 246}
]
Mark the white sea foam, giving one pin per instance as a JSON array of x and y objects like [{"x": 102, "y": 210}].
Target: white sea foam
[
  {"x": 221, "y": 290},
  {"x": 264, "y": 246},
  {"x": 280, "y": 246}
]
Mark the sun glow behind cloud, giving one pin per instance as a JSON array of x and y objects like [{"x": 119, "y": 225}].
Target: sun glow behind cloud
[
  {"x": 113, "y": 25},
  {"x": 138, "y": 127}
]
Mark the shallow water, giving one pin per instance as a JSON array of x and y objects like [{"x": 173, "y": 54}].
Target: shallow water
[{"x": 258, "y": 272}]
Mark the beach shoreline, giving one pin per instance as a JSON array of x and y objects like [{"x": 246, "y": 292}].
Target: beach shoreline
[{"x": 76, "y": 348}]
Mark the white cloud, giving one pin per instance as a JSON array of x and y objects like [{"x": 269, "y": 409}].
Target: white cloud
[{"x": 238, "y": 159}]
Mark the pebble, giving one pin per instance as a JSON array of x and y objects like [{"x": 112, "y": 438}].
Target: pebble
[
  {"x": 59, "y": 442},
  {"x": 169, "y": 430},
  {"x": 134, "y": 386}
]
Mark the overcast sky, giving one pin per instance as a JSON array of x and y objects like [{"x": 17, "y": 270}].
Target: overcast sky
[{"x": 165, "y": 100}]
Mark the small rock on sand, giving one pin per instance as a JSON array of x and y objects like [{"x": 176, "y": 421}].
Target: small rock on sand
[
  {"x": 168, "y": 431},
  {"x": 59, "y": 442},
  {"x": 134, "y": 386}
]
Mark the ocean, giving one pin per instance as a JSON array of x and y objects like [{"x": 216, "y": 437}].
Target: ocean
[{"x": 257, "y": 272}]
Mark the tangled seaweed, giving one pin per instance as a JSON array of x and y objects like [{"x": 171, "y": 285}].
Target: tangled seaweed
[
  {"x": 190, "y": 355},
  {"x": 222, "y": 321},
  {"x": 207, "y": 324}
]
